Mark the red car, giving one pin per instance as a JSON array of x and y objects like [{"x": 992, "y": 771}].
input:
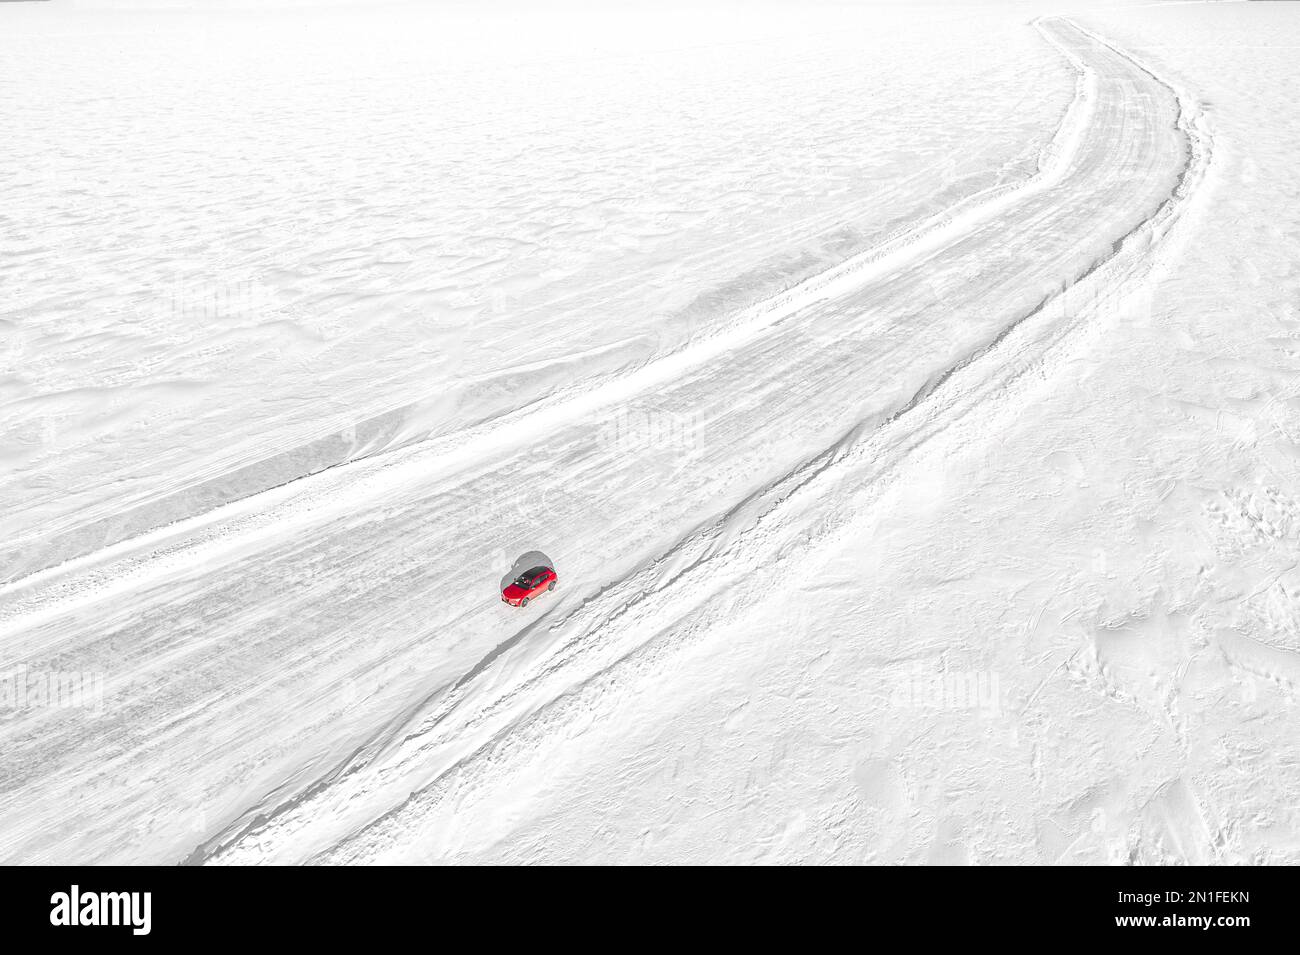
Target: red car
[{"x": 528, "y": 585}]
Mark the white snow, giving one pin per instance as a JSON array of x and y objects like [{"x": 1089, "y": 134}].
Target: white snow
[{"x": 905, "y": 393}]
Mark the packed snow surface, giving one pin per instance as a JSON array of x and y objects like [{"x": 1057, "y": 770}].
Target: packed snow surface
[{"x": 905, "y": 394}]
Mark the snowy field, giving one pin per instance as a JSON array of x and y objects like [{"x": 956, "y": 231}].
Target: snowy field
[{"x": 906, "y": 394}]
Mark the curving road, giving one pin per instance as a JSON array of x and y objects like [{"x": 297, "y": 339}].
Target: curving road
[{"x": 281, "y": 675}]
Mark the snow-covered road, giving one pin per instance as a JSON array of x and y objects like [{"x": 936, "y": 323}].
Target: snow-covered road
[{"x": 289, "y": 669}]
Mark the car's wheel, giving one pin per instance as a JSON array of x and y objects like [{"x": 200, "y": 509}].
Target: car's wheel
[
  {"x": 551, "y": 585},
  {"x": 524, "y": 602}
]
